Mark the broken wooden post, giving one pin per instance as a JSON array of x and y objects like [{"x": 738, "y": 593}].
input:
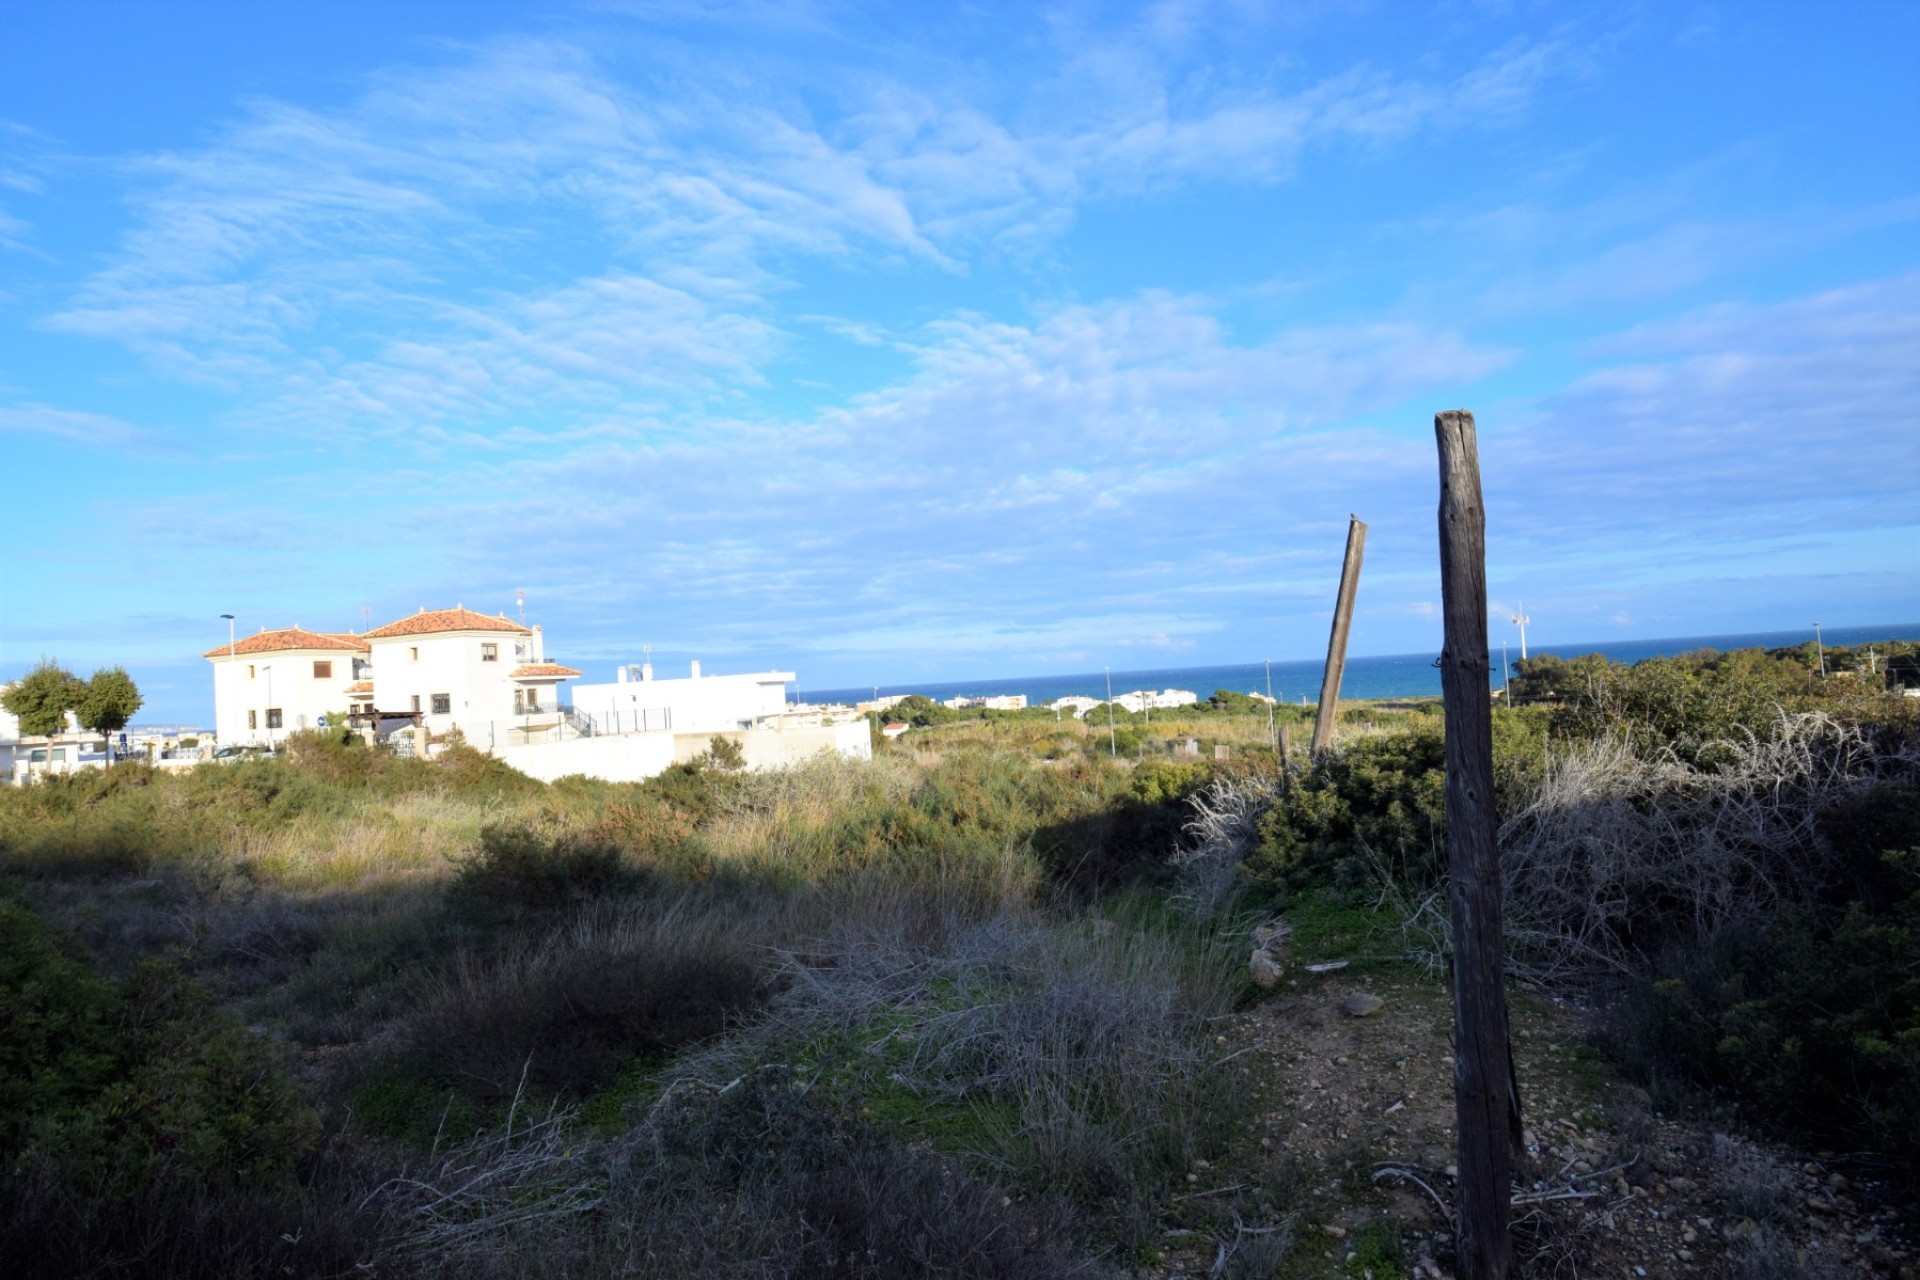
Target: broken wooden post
[
  {"x": 1337, "y": 641},
  {"x": 1486, "y": 1100}
]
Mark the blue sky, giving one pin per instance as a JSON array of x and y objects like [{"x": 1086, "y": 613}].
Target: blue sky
[{"x": 929, "y": 341}]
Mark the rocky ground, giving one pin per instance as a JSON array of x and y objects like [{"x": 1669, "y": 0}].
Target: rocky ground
[{"x": 1354, "y": 1073}]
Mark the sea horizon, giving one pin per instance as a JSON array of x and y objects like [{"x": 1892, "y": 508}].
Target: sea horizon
[{"x": 1372, "y": 676}]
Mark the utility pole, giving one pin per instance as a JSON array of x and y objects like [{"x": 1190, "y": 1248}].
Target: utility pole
[
  {"x": 1337, "y": 639},
  {"x": 1520, "y": 620},
  {"x": 1821, "y": 650},
  {"x": 1271, "y": 740},
  {"x": 1113, "y": 740},
  {"x": 1486, "y": 1096},
  {"x": 1506, "y": 677}
]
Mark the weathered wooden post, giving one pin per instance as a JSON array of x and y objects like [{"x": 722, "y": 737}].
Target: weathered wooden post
[
  {"x": 1337, "y": 640},
  {"x": 1486, "y": 1101}
]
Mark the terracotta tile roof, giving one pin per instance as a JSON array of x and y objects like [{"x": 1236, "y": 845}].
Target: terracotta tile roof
[
  {"x": 543, "y": 669},
  {"x": 360, "y": 686},
  {"x": 289, "y": 639},
  {"x": 434, "y": 621}
]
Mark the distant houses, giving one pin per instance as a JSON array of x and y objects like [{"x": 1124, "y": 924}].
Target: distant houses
[
  {"x": 1136, "y": 701},
  {"x": 487, "y": 679}
]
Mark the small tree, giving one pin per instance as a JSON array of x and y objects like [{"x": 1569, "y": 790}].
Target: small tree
[
  {"x": 42, "y": 697},
  {"x": 107, "y": 702}
]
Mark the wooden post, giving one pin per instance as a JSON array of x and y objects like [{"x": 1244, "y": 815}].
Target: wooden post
[
  {"x": 1486, "y": 1100},
  {"x": 1337, "y": 641}
]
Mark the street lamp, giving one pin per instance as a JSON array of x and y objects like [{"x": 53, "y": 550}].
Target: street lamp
[
  {"x": 1821, "y": 650},
  {"x": 231, "y": 678}
]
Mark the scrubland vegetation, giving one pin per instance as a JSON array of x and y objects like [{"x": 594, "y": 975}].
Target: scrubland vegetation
[{"x": 956, "y": 1011}]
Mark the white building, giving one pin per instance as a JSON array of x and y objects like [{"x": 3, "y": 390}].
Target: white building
[
  {"x": 1148, "y": 699},
  {"x": 24, "y": 757},
  {"x": 995, "y": 702},
  {"x": 1075, "y": 704},
  {"x": 696, "y": 704},
  {"x": 453, "y": 668},
  {"x": 273, "y": 683},
  {"x": 489, "y": 678}
]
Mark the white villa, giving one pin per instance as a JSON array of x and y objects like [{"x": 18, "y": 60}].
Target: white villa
[
  {"x": 489, "y": 678},
  {"x": 442, "y": 669}
]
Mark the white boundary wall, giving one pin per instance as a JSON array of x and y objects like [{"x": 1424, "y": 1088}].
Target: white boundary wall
[
  {"x": 631, "y": 757},
  {"x": 634, "y": 757}
]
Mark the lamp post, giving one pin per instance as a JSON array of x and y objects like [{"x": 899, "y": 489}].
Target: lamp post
[
  {"x": 232, "y": 680},
  {"x": 1821, "y": 650}
]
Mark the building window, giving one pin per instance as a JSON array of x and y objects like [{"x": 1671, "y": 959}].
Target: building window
[
  {"x": 442, "y": 704},
  {"x": 253, "y": 719},
  {"x": 416, "y": 704},
  {"x": 273, "y": 717},
  {"x": 249, "y": 671},
  {"x": 323, "y": 671},
  {"x": 489, "y": 653},
  {"x": 413, "y": 653}
]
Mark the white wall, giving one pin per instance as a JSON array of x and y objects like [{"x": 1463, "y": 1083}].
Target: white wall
[
  {"x": 479, "y": 692},
  {"x": 257, "y": 682},
  {"x": 694, "y": 704},
  {"x": 776, "y": 748},
  {"x": 628, "y": 758}
]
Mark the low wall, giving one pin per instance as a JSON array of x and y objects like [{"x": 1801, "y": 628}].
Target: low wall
[
  {"x": 776, "y": 748},
  {"x": 631, "y": 757}
]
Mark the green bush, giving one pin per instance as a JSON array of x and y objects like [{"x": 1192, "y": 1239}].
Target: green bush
[
  {"x": 522, "y": 871},
  {"x": 114, "y": 1089},
  {"x": 1810, "y": 1021},
  {"x": 1378, "y": 805}
]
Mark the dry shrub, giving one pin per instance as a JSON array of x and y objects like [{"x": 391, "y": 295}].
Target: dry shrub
[
  {"x": 1221, "y": 835},
  {"x": 1619, "y": 852},
  {"x": 757, "y": 1178},
  {"x": 568, "y": 1012}
]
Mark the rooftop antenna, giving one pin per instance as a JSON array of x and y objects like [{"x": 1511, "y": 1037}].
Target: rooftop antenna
[
  {"x": 366, "y": 616},
  {"x": 520, "y": 599},
  {"x": 1520, "y": 620}
]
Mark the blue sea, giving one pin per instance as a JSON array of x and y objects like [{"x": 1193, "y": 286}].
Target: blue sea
[{"x": 1405, "y": 675}]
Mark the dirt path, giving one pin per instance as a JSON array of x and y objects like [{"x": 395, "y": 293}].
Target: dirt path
[{"x": 1359, "y": 1109}]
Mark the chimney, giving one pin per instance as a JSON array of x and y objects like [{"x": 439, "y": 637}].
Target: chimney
[{"x": 696, "y": 668}]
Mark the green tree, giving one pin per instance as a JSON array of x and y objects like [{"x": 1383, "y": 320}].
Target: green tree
[
  {"x": 42, "y": 698},
  {"x": 107, "y": 702}
]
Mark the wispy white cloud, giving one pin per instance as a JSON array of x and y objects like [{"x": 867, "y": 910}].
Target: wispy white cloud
[
  {"x": 1732, "y": 426},
  {"x": 391, "y": 256},
  {"x": 95, "y": 429}
]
